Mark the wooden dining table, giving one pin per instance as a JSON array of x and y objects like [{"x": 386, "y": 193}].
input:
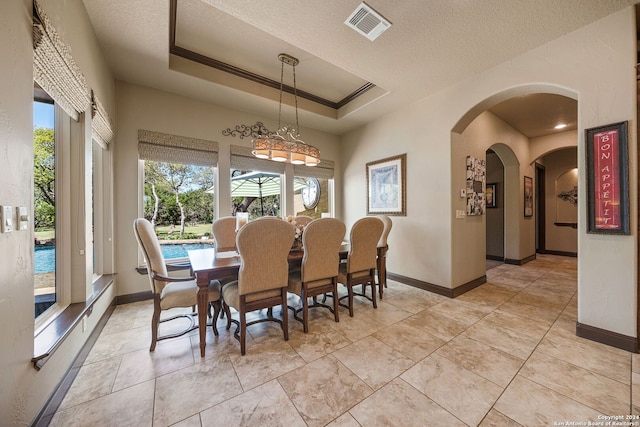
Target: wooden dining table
[{"x": 209, "y": 265}]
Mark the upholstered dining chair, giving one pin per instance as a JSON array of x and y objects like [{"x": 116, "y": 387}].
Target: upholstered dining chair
[
  {"x": 302, "y": 220},
  {"x": 264, "y": 246},
  {"x": 170, "y": 292},
  {"x": 318, "y": 273},
  {"x": 361, "y": 262},
  {"x": 224, "y": 233},
  {"x": 383, "y": 247}
]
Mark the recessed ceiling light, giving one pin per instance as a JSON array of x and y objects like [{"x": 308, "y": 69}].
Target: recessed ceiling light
[{"x": 560, "y": 126}]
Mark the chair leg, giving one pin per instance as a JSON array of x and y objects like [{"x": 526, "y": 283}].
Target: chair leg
[
  {"x": 155, "y": 321},
  {"x": 373, "y": 292},
  {"x": 335, "y": 300},
  {"x": 350, "y": 291},
  {"x": 214, "y": 320},
  {"x": 285, "y": 315},
  {"x": 243, "y": 332},
  {"x": 305, "y": 312},
  {"x": 228, "y": 313}
]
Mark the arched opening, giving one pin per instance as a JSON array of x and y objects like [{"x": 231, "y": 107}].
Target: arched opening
[{"x": 518, "y": 127}]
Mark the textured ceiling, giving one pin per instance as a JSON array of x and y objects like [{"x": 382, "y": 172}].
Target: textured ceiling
[{"x": 431, "y": 45}]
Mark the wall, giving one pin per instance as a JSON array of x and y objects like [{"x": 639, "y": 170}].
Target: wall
[
  {"x": 430, "y": 132},
  {"x": 140, "y": 107},
  {"x": 23, "y": 390}
]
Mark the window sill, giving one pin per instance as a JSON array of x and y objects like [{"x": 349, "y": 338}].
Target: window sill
[{"x": 54, "y": 334}]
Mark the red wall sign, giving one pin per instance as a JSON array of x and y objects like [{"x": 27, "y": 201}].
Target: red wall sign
[{"x": 607, "y": 178}]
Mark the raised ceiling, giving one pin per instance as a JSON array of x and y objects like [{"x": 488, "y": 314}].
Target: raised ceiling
[{"x": 430, "y": 46}]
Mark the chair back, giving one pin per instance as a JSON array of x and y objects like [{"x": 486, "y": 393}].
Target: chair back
[
  {"x": 264, "y": 245},
  {"x": 224, "y": 232},
  {"x": 321, "y": 240},
  {"x": 302, "y": 219},
  {"x": 150, "y": 247},
  {"x": 363, "y": 250},
  {"x": 386, "y": 221}
]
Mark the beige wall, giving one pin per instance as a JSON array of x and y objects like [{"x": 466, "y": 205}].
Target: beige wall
[
  {"x": 560, "y": 163},
  {"x": 23, "y": 390},
  {"x": 434, "y": 242},
  {"x": 144, "y": 108}
]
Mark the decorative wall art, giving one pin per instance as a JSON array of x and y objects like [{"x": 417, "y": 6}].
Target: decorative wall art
[
  {"x": 247, "y": 131},
  {"x": 528, "y": 196},
  {"x": 476, "y": 179},
  {"x": 386, "y": 186},
  {"x": 607, "y": 179}
]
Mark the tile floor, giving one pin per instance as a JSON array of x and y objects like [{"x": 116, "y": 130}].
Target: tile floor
[{"x": 503, "y": 354}]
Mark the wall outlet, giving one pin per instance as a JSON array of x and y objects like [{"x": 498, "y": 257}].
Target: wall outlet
[
  {"x": 23, "y": 217},
  {"x": 459, "y": 214},
  {"x": 463, "y": 193},
  {"x": 7, "y": 218}
]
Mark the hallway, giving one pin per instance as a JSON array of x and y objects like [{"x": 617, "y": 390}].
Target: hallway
[{"x": 503, "y": 354}]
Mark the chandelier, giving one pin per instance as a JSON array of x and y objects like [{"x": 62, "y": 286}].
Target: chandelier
[{"x": 285, "y": 145}]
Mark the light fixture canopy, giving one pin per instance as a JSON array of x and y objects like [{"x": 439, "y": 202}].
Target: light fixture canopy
[{"x": 285, "y": 145}]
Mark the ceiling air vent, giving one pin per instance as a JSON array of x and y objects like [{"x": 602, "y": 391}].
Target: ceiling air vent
[{"x": 367, "y": 22}]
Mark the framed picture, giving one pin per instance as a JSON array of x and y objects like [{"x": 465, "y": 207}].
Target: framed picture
[
  {"x": 476, "y": 170},
  {"x": 491, "y": 195},
  {"x": 607, "y": 179},
  {"x": 386, "y": 186},
  {"x": 528, "y": 196}
]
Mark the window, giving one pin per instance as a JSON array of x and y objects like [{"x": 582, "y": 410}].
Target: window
[
  {"x": 256, "y": 192},
  {"x": 179, "y": 202},
  {"x": 44, "y": 178},
  {"x": 311, "y": 196}
]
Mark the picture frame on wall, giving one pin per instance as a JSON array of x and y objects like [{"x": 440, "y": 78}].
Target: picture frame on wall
[
  {"x": 528, "y": 196},
  {"x": 607, "y": 179},
  {"x": 386, "y": 186},
  {"x": 491, "y": 195}
]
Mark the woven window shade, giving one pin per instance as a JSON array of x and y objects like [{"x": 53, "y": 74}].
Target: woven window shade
[
  {"x": 101, "y": 127},
  {"x": 323, "y": 171},
  {"x": 163, "y": 147},
  {"x": 54, "y": 68},
  {"x": 242, "y": 159}
]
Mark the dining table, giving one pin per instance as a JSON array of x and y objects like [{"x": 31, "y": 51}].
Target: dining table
[{"x": 208, "y": 265}]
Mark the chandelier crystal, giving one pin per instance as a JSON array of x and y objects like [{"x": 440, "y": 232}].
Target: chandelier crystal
[{"x": 285, "y": 144}]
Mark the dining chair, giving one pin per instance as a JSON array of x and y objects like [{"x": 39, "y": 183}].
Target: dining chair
[
  {"x": 263, "y": 246},
  {"x": 302, "y": 220},
  {"x": 361, "y": 262},
  {"x": 383, "y": 247},
  {"x": 318, "y": 273},
  {"x": 170, "y": 292},
  {"x": 224, "y": 233}
]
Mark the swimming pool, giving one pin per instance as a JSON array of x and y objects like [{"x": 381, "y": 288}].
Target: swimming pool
[{"x": 45, "y": 256}]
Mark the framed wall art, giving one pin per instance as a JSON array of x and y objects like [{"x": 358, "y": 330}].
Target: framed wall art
[
  {"x": 386, "y": 186},
  {"x": 476, "y": 180},
  {"x": 607, "y": 179},
  {"x": 528, "y": 196}
]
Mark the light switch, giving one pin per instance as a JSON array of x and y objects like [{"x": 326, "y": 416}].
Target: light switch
[
  {"x": 23, "y": 217},
  {"x": 7, "y": 219}
]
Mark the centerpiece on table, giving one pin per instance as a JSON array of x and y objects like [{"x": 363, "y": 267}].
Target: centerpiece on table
[{"x": 297, "y": 240}]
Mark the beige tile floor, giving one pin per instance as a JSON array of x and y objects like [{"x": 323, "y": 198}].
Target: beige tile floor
[{"x": 503, "y": 354}]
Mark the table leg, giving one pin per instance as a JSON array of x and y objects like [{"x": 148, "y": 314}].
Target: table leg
[{"x": 203, "y": 297}]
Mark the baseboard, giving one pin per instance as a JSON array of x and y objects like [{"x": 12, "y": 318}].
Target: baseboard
[
  {"x": 561, "y": 253},
  {"x": 46, "y": 414},
  {"x": 494, "y": 258},
  {"x": 437, "y": 289},
  {"x": 137, "y": 297},
  {"x": 520, "y": 261},
  {"x": 603, "y": 336}
]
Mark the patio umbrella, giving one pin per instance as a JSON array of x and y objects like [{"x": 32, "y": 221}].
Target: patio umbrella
[{"x": 259, "y": 185}]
